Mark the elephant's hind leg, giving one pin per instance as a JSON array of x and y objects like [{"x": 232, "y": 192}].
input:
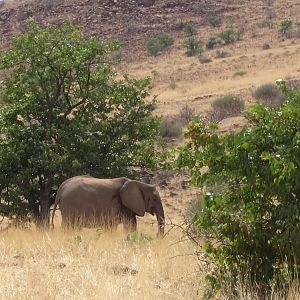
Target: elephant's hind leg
[{"x": 70, "y": 222}]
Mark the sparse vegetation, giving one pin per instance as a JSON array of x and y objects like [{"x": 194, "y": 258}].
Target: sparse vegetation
[
  {"x": 159, "y": 43},
  {"x": 193, "y": 46},
  {"x": 269, "y": 95},
  {"x": 226, "y": 106}
]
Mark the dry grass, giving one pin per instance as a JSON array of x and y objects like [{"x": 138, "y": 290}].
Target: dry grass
[{"x": 95, "y": 265}]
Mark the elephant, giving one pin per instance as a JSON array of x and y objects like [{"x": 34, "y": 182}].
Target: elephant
[{"x": 87, "y": 201}]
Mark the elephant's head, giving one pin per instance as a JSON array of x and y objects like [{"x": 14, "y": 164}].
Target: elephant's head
[{"x": 140, "y": 198}]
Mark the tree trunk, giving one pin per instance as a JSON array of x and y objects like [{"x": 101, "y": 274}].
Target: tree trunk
[
  {"x": 44, "y": 215},
  {"x": 45, "y": 195}
]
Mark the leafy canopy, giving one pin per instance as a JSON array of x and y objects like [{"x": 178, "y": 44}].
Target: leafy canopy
[
  {"x": 67, "y": 113},
  {"x": 250, "y": 216}
]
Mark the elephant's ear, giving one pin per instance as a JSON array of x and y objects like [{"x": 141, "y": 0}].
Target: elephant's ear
[{"x": 132, "y": 197}]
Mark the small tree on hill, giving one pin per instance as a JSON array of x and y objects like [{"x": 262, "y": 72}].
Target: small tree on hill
[
  {"x": 250, "y": 217},
  {"x": 67, "y": 114}
]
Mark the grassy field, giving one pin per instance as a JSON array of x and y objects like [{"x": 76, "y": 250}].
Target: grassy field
[{"x": 94, "y": 265}]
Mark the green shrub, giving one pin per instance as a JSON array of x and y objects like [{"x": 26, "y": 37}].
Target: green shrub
[
  {"x": 285, "y": 26},
  {"x": 250, "y": 227},
  {"x": 170, "y": 128},
  {"x": 190, "y": 30},
  {"x": 269, "y": 95},
  {"x": 159, "y": 43},
  {"x": 193, "y": 46},
  {"x": 230, "y": 36},
  {"x": 226, "y": 106}
]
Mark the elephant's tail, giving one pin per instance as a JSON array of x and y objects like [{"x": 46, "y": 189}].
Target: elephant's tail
[{"x": 57, "y": 199}]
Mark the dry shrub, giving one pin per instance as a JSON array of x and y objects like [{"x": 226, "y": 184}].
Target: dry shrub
[
  {"x": 226, "y": 106},
  {"x": 186, "y": 114},
  {"x": 170, "y": 128},
  {"x": 269, "y": 95}
]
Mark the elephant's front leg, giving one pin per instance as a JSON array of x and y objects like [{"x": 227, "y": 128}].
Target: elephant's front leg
[{"x": 129, "y": 220}]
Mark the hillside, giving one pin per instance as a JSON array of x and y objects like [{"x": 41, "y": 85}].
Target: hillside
[{"x": 179, "y": 79}]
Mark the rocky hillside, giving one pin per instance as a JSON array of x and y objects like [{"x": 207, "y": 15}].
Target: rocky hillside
[{"x": 129, "y": 20}]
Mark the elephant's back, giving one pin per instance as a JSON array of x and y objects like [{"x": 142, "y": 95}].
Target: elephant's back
[{"x": 92, "y": 194}]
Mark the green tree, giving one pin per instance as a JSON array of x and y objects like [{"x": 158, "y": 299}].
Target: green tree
[
  {"x": 250, "y": 216},
  {"x": 67, "y": 114}
]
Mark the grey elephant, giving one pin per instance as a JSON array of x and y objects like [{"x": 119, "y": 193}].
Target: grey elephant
[{"x": 86, "y": 201}]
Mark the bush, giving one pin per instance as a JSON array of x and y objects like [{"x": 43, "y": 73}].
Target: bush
[
  {"x": 269, "y": 95},
  {"x": 186, "y": 114},
  {"x": 250, "y": 228},
  {"x": 193, "y": 46},
  {"x": 230, "y": 36},
  {"x": 170, "y": 128},
  {"x": 213, "y": 20},
  {"x": 212, "y": 43},
  {"x": 159, "y": 43},
  {"x": 190, "y": 30},
  {"x": 285, "y": 26},
  {"x": 226, "y": 106}
]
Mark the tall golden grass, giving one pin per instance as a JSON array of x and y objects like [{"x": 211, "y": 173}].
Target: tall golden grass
[{"x": 92, "y": 264}]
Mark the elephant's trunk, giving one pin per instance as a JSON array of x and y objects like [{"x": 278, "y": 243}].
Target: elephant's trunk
[{"x": 160, "y": 216}]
